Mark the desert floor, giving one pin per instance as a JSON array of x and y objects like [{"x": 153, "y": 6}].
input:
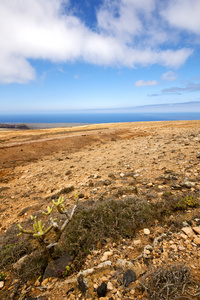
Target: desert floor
[{"x": 35, "y": 165}]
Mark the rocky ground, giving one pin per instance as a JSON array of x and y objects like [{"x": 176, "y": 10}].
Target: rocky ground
[{"x": 147, "y": 159}]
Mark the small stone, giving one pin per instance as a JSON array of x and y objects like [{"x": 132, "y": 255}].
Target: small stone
[
  {"x": 185, "y": 224},
  {"x": 174, "y": 248},
  {"x": 147, "y": 251},
  {"x": 106, "y": 255},
  {"x": 132, "y": 292},
  {"x": 188, "y": 231},
  {"x": 136, "y": 242},
  {"x": 193, "y": 267},
  {"x": 82, "y": 284},
  {"x": 181, "y": 248},
  {"x": 37, "y": 283},
  {"x": 198, "y": 154},
  {"x": 196, "y": 229},
  {"x": 146, "y": 231},
  {"x": 109, "y": 286},
  {"x": 188, "y": 184},
  {"x": 104, "y": 279},
  {"x": 102, "y": 290},
  {"x": 128, "y": 277},
  {"x": 1, "y": 284},
  {"x": 184, "y": 236},
  {"x": 124, "y": 264},
  {"x": 50, "y": 287},
  {"x": 81, "y": 195},
  {"x": 45, "y": 281},
  {"x": 197, "y": 240}
]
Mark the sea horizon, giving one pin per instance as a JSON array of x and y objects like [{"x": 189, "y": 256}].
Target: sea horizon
[{"x": 94, "y": 118}]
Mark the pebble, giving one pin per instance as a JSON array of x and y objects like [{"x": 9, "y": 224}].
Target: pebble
[
  {"x": 197, "y": 240},
  {"x": 128, "y": 277},
  {"x": 106, "y": 255},
  {"x": 188, "y": 231},
  {"x": 146, "y": 231},
  {"x": 124, "y": 264},
  {"x": 109, "y": 286},
  {"x": 45, "y": 281},
  {"x": 196, "y": 229},
  {"x": 102, "y": 290},
  {"x": 1, "y": 284},
  {"x": 136, "y": 242}
]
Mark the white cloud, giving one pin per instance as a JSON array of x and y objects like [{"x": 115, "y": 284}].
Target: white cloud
[
  {"x": 121, "y": 18},
  {"x": 184, "y": 14},
  {"x": 145, "y": 83},
  {"x": 169, "y": 76},
  {"x": 126, "y": 35},
  {"x": 15, "y": 69}
]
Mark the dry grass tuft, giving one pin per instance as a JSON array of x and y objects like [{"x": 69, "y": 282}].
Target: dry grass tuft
[{"x": 170, "y": 282}]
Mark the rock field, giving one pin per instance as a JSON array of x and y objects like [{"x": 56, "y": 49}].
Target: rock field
[{"x": 149, "y": 160}]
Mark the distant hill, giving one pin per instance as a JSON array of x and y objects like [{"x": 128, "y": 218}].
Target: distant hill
[{"x": 18, "y": 126}]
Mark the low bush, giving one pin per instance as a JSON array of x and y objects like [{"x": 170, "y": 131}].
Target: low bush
[
  {"x": 168, "y": 283},
  {"x": 109, "y": 219},
  {"x": 185, "y": 203},
  {"x": 12, "y": 252},
  {"x": 33, "y": 266}
]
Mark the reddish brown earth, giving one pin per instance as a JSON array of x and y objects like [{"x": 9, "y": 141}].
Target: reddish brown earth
[{"x": 37, "y": 164}]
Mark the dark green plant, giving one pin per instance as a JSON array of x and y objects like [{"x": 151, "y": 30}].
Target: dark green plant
[{"x": 3, "y": 276}]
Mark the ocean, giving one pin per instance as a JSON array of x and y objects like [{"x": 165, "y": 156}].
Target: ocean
[{"x": 95, "y": 118}]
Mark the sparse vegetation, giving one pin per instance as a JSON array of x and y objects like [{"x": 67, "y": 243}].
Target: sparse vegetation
[
  {"x": 10, "y": 253},
  {"x": 185, "y": 203},
  {"x": 168, "y": 282},
  {"x": 3, "y": 276},
  {"x": 33, "y": 266},
  {"x": 40, "y": 233},
  {"x": 113, "y": 219}
]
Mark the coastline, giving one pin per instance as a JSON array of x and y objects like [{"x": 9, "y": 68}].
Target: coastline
[{"x": 32, "y": 126}]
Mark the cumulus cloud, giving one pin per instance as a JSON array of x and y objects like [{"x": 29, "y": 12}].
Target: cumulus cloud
[
  {"x": 169, "y": 76},
  {"x": 145, "y": 83},
  {"x": 183, "y": 14},
  {"x": 126, "y": 35}
]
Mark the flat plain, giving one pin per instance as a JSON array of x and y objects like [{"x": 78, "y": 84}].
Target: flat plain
[{"x": 100, "y": 162}]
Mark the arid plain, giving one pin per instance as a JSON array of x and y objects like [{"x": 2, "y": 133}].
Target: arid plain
[{"x": 102, "y": 161}]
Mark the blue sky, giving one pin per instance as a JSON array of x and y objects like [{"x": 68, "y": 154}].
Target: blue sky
[{"x": 63, "y": 55}]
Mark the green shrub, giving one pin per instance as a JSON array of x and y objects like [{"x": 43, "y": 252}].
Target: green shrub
[
  {"x": 3, "y": 276},
  {"x": 110, "y": 219},
  {"x": 185, "y": 203}
]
